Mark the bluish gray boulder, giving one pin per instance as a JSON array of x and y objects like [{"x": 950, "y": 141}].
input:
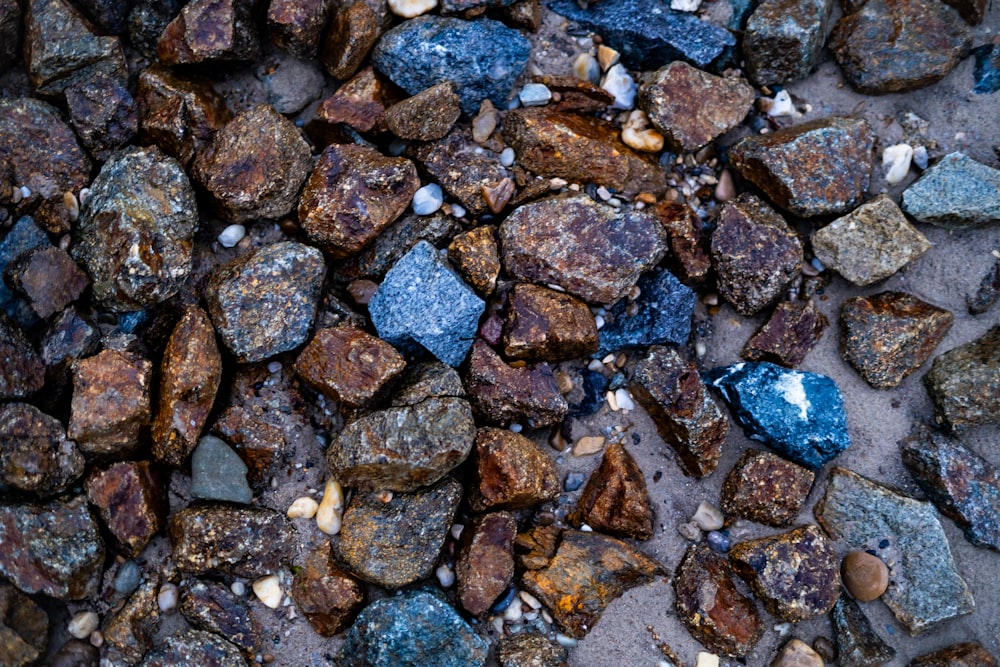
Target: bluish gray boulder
[{"x": 956, "y": 193}]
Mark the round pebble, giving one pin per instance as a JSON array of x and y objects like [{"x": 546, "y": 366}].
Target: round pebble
[
  {"x": 268, "y": 590},
  {"x": 232, "y": 235},
  {"x": 719, "y": 541},
  {"x": 128, "y": 578},
  {"x": 507, "y": 156},
  {"x": 865, "y": 575},
  {"x": 167, "y": 598},
  {"x": 445, "y": 576},
  {"x": 428, "y": 199},
  {"x": 796, "y": 653},
  {"x": 83, "y": 623}
]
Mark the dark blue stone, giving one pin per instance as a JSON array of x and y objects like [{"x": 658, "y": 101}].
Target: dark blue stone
[
  {"x": 797, "y": 414},
  {"x": 25, "y": 235},
  {"x": 986, "y": 70},
  {"x": 500, "y": 606},
  {"x": 663, "y": 316},
  {"x": 129, "y": 322},
  {"x": 595, "y": 386},
  {"x": 574, "y": 481},
  {"x": 719, "y": 541}
]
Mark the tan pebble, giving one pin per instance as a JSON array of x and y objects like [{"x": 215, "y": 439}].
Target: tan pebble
[
  {"x": 587, "y": 445},
  {"x": 330, "y": 511},
  {"x": 612, "y": 400},
  {"x": 268, "y": 590},
  {"x": 725, "y": 189},
  {"x": 498, "y": 195},
  {"x": 797, "y": 653},
  {"x": 606, "y": 57},
  {"x": 96, "y": 639},
  {"x": 586, "y": 68},
  {"x": 384, "y": 496},
  {"x": 564, "y": 381},
  {"x": 83, "y": 623},
  {"x": 409, "y": 9},
  {"x": 865, "y": 575},
  {"x": 646, "y": 198},
  {"x": 557, "y": 440},
  {"x": 485, "y": 122},
  {"x": 303, "y": 508},
  {"x": 637, "y": 134},
  {"x": 706, "y": 660},
  {"x": 708, "y": 517},
  {"x": 72, "y": 205},
  {"x": 557, "y": 183}
]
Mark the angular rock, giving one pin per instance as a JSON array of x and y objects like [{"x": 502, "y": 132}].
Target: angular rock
[
  {"x": 462, "y": 168},
  {"x": 783, "y": 39},
  {"x": 924, "y": 586},
  {"x": 766, "y": 488},
  {"x": 35, "y": 456},
  {"x": 858, "y": 645},
  {"x": 146, "y": 23},
  {"x": 966, "y": 654},
  {"x": 888, "y": 336},
  {"x": 348, "y": 365},
  {"x": 53, "y": 548},
  {"x": 194, "y": 647},
  {"x": 130, "y": 498},
  {"x": 359, "y": 103},
  {"x": 688, "y": 257},
  {"x": 964, "y": 383},
  {"x": 530, "y": 649},
  {"x": 988, "y": 293},
  {"x": 792, "y": 330},
  {"x": 476, "y": 257},
  {"x": 328, "y": 596},
  {"x": 212, "y": 607},
  {"x": 891, "y": 46},
  {"x": 502, "y": 394},
  {"x": 107, "y": 15},
  {"x": 481, "y": 57},
  {"x": 395, "y": 543},
  {"x": 615, "y": 500},
  {"x": 24, "y": 628},
  {"x": 218, "y": 473},
  {"x": 353, "y": 194},
  {"x": 21, "y": 370},
  {"x": 428, "y": 115},
  {"x": 352, "y": 32},
  {"x": 10, "y": 33},
  {"x": 799, "y": 415},
  {"x": 545, "y": 324},
  {"x": 209, "y": 31},
  {"x": 110, "y": 407},
  {"x": 820, "y": 167},
  {"x": 956, "y": 193},
  {"x": 129, "y": 631},
  {"x": 297, "y": 25},
  {"x": 48, "y": 278},
  {"x": 67, "y": 337},
  {"x": 660, "y": 315},
  {"x": 23, "y": 236},
  {"x": 375, "y": 260},
  {"x": 264, "y": 303},
  {"x": 104, "y": 114},
  {"x": 510, "y": 472},
  {"x": 484, "y": 563}
]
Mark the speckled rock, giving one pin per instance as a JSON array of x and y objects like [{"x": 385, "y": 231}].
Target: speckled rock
[
  {"x": 484, "y": 563},
  {"x": 530, "y": 649},
  {"x": 766, "y": 488},
  {"x": 351, "y": 33},
  {"x": 660, "y": 315},
  {"x": 209, "y": 31},
  {"x": 858, "y": 645},
  {"x": 924, "y": 587},
  {"x": 48, "y": 278},
  {"x": 542, "y": 323},
  {"x": 194, "y": 647},
  {"x": 21, "y": 370},
  {"x": 966, "y": 654},
  {"x": 67, "y": 337},
  {"x": 462, "y": 168},
  {"x": 819, "y": 167},
  {"x": 146, "y": 22},
  {"x": 476, "y": 257},
  {"x": 328, "y": 596},
  {"x": 10, "y": 33},
  {"x": 510, "y": 472},
  {"x": 615, "y": 500},
  {"x": 291, "y": 84},
  {"x": 103, "y": 113},
  {"x": 956, "y": 193},
  {"x": 395, "y": 543},
  {"x": 793, "y": 329},
  {"x": 428, "y": 115},
  {"x": 128, "y": 632},
  {"x": 986, "y": 67},
  {"x": 24, "y": 235},
  {"x": 348, "y": 365},
  {"x": 35, "y": 456},
  {"x": 360, "y": 102},
  {"x": 964, "y": 383},
  {"x": 213, "y": 607},
  {"x": 375, "y": 259},
  {"x": 130, "y": 497},
  {"x": 24, "y": 628},
  {"x": 688, "y": 257},
  {"x": 783, "y": 39},
  {"x": 111, "y": 405},
  {"x": 297, "y": 25}
]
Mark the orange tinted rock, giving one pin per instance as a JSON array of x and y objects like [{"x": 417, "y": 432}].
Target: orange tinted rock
[
  {"x": 428, "y": 115},
  {"x": 766, "y": 488},
  {"x": 484, "y": 565},
  {"x": 688, "y": 257},
  {"x": 328, "y": 596},
  {"x": 865, "y": 576},
  {"x": 475, "y": 256},
  {"x": 510, "y": 472},
  {"x": 209, "y": 30},
  {"x": 546, "y": 324},
  {"x": 131, "y": 500},
  {"x": 615, "y": 499},
  {"x": 352, "y": 33},
  {"x": 348, "y": 364},
  {"x": 358, "y": 103},
  {"x": 111, "y": 404}
]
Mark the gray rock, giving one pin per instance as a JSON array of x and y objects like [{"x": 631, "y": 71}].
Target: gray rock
[
  {"x": 964, "y": 383},
  {"x": 660, "y": 316},
  {"x": 423, "y": 301},
  {"x": 925, "y": 588},
  {"x": 481, "y": 57},
  {"x": 956, "y": 193},
  {"x": 291, "y": 83},
  {"x": 128, "y": 578},
  {"x": 218, "y": 473},
  {"x": 857, "y": 643},
  {"x": 783, "y": 39}
]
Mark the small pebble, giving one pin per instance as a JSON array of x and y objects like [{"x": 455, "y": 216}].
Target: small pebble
[
  {"x": 128, "y": 578},
  {"x": 585, "y": 67},
  {"x": 96, "y": 639},
  {"x": 620, "y": 83},
  {"x": 719, "y": 542},
  {"x": 428, "y": 199},
  {"x": 268, "y": 590},
  {"x": 685, "y": 5},
  {"x": 273, "y": 367},
  {"x": 456, "y": 531},
  {"x": 896, "y": 162},
  {"x": 607, "y": 57},
  {"x": 445, "y": 576},
  {"x": 796, "y": 653},
  {"x": 587, "y": 445},
  {"x": 167, "y": 598},
  {"x": 637, "y": 134},
  {"x": 567, "y": 642},
  {"x": 330, "y": 512},
  {"x": 513, "y": 612},
  {"x": 72, "y": 205},
  {"x": 689, "y": 531},
  {"x": 865, "y": 576},
  {"x": 457, "y": 210},
  {"x": 920, "y": 157},
  {"x": 303, "y": 508},
  {"x": 501, "y": 605},
  {"x": 238, "y": 588},
  {"x": 781, "y": 105},
  {"x": 708, "y": 517},
  {"x": 574, "y": 481},
  {"x": 83, "y": 623},
  {"x": 530, "y": 600},
  {"x": 409, "y": 9},
  {"x": 624, "y": 400},
  {"x": 825, "y": 648},
  {"x": 232, "y": 235},
  {"x": 534, "y": 95},
  {"x": 725, "y": 189},
  {"x": 706, "y": 660}
]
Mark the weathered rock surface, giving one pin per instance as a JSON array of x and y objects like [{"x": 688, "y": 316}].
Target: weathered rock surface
[
  {"x": 24, "y": 628},
  {"x": 351, "y": 33},
  {"x": 783, "y": 39},
  {"x": 130, "y": 498},
  {"x": 530, "y": 649},
  {"x": 964, "y": 383},
  {"x": 510, "y": 472},
  {"x": 428, "y": 115},
  {"x": 988, "y": 292},
  {"x": 128, "y": 632},
  {"x": 23, "y": 236},
  {"x": 462, "y": 168},
  {"x": 21, "y": 370},
  {"x": 297, "y": 25},
  {"x": 348, "y": 365},
  {"x": 793, "y": 329},
  {"x": 484, "y": 563},
  {"x": 476, "y": 257},
  {"x": 103, "y": 113},
  {"x": 111, "y": 404},
  {"x": 956, "y": 193},
  {"x": 543, "y": 324},
  {"x": 213, "y": 607},
  {"x": 328, "y": 596},
  {"x": 218, "y": 473},
  {"x": 10, "y": 33},
  {"x": 360, "y": 102},
  {"x": 766, "y": 488},
  {"x": 194, "y": 647},
  {"x": 688, "y": 258},
  {"x": 966, "y": 654},
  {"x": 35, "y": 456},
  {"x": 858, "y": 645},
  {"x": 615, "y": 500},
  {"x": 207, "y": 31},
  {"x": 48, "y": 278},
  {"x": 660, "y": 315}
]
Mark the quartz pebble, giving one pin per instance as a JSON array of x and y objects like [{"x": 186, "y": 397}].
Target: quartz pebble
[
  {"x": 865, "y": 576},
  {"x": 708, "y": 517},
  {"x": 302, "y": 508},
  {"x": 534, "y": 95},
  {"x": 796, "y": 653},
  {"x": 621, "y": 85},
  {"x": 268, "y": 590},
  {"x": 167, "y": 598},
  {"x": 896, "y": 162},
  {"x": 83, "y": 623},
  {"x": 232, "y": 235},
  {"x": 330, "y": 512}
]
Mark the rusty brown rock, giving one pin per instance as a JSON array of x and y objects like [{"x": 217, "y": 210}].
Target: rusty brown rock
[
  {"x": 209, "y": 31},
  {"x": 189, "y": 379},
  {"x": 296, "y": 25},
  {"x": 348, "y": 365},
  {"x": 965, "y": 654},
  {"x": 131, "y": 500},
  {"x": 476, "y": 257},
  {"x": 510, "y": 472},
  {"x": 484, "y": 564},
  {"x": 792, "y": 330},
  {"x": 615, "y": 500},
  {"x": 502, "y": 394},
  {"x": 48, "y": 278},
  {"x": 530, "y": 649},
  {"x": 328, "y": 596},
  {"x": 688, "y": 257},
  {"x": 576, "y": 95},
  {"x": 462, "y": 168},
  {"x": 711, "y": 607},
  {"x": 766, "y": 488},
  {"x": 35, "y": 456},
  {"x": 428, "y": 115},
  {"x": 213, "y": 607},
  {"x": 545, "y": 324},
  {"x": 111, "y": 405},
  {"x": 24, "y": 628},
  {"x": 359, "y": 103},
  {"x": 353, "y": 194},
  {"x": 129, "y": 632},
  {"x": 22, "y": 372},
  {"x": 581, "y": 149},
  {"x": 353, "y": 30}
]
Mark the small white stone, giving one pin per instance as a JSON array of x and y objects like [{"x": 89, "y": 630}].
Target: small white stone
[
  {"x": 238, "y": 588},
  {"x": 782, "y": 105},
  {"x": 586, "y": 68},
  {"x": 637, "y": 134},
  {"x": 513, "y": 612},
  {"x": 624, "y": 399},
  {"x": 708, "y": 517},
  {"x": 700, "y": 349},
  {"x": 25, "y": 192},
  {"x": 232, "y": 235},
  {"x": 530, "y": 599},
  {"x": 620, "y": 83},
  {"x": 534, "y": 95},
  {"x": 428, "y": 199},
  {"x": 458, "y": 210},
  {"x": 516, "y": 428},
  {"x": 920, "y": 157},
  {"x": 685, "y": 5},
  {"x": 330, "y": 513},
  {"x": 268, "y": 590},
  {"x": 273, "y": 367},
  {"x": 599, "y": 322},
  {"x": 303, "y": 508},
  {"x": 586, "y": 528},
  {"x": 707, "y": 660},
  {"x": 167, "y": 598},
  {"x": 445, "y": 576},
  {"x": 507, "y": 156},
  {"x": 83, "y": 623},
  {"x": 896, "y": 162},
  {"x": 456, "y": 531},
  {"x": 84, "y": 193},
  {"x": 411, "y": 8},
  {"x": 563, "y": 640}
]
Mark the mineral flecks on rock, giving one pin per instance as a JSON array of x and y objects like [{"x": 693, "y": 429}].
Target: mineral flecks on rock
[
  {"x": 955, "y": 193},
  {"x": 615, "y": 500},
  {"x": 766, "y": 488},
  {"x": 964, "y": 383},
  {"x": 660, "y": 315},
  {"x": 783, "y": 39},
  {"x": 793, "y": 329},
  {"x": 858, "y": 645}
]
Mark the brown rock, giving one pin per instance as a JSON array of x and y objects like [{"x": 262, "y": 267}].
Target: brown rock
[
  {"x": 865, "y": 576},
  {"x": 48, "y": 278},
  {"x": 354, "y": 28},
  {"x": 796, "y": 653},
  {"x": 35, "y": 456},
  {"x": 545, "y": 324},
  {"x": 964, "y": 383},
  {"x": 510, "y": 472},
  {"x": 209, "y": 30},
  {"x": 688, "y": 257},
  {"x": 973, "y": 11},
  {"x": 475, "y": 256},
  {"x": 24, "y": 628},
  {"x": 11, "y": 16},
  {"x": 131, "y": 500},
  {"x": 328, "y": 596},
  {"x": 21, "y": 370},
  {"x": 497, "y": 196},
  {"x": 792, "y": 330},
  {"x": 692, "y": 107},
  {"x": 348, "y": 365},
  {"x": 686, "y": 416},
  {"x": 462, "y": 168},
  {"x": 129, "y": 631},
  {"x": 428, "y": 115},
  {"x": 711, "y": 607},
  {"x": 189, "y": 379},
  {"x": 296, "y": 25},
  {"x": 782, "y": 39},
  {"x": 967, "y": 654},
  {"x": 484, "y": 564},
  {"x": 358, "y": 103},
  {"x": 103, "y": 114},
  {"x": 353, "y": 194},
  {"x": 766, "y": 488},
  {"x": 110, "y": 405},
  {"x": 213, "y": 607},
  {"x": 396, "y": 240},
  {"x": 576, "y": 95},
  {"x": 755, "y": 253},
  {"x": 615, "y": 500},
  {"x": 581, "y": 149},
  {"x": 530, "y": 649},
  {"x": 524, "y": 14}
]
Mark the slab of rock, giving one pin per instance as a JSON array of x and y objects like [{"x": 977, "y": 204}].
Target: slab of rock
[
  {"x": 428, "y": 115},
  {"x": 543, "y": 324},
  {"x": 351, "y": 33},
  {"x": 510, "y": 472},
  {"x": 924, "y": 586},
  {"x": 462, "y": 168},
  {"x": 194, "y": 647},
  {"x": 328, "y": 596},
  {"x": 35, "y": 456},
  {"x": 484, "y": 564},
  {"x": 888, "y": 336},
  {"x": 359, "y": 103},
  {"x": 476, "y": 256},
  {"x": 793, "y": 329},
  {"x": 24, "y": 628},
  {"x": 218, "y": 473},
  {"x": 130, "y": 498},
  {"x": 53, "y": 548},
  {"x": 819, "y": 167},
  {"x": 615, "y": 500},
  {"x": 965, "y": 654},
  {"x": 22, "y": 372},
  {"x": 782, "y": 39},
  {"x": 348, "y": 365},
  {"x": 530, "y": 649},
  {"x": 395, "y": 543},
  {"x": 111, "y": 405},
  {"x": 213, "y": 607},
  {"x": 209, "y": 31},
  {"x": 48, "y": 278},
  {"x": 711, "y": 606},
  {"x": 766, "y": 488},
  {"x": 297, "y": 25},
  {"x": 103, "y": 113},
  {"x": 956, "y": 193},
  {"x": 964, "y": 383},
  {"x": 660, "y": 315},
  {"x": 891, "y": 46},
  {"x": 415, "y": 628},
  {"x": 264, "y": 303},
  {"x": 579, "y": 149},
  {"x": 858, "y": 645}
]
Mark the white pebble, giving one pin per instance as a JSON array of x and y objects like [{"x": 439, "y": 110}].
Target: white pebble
[
  {"x": 920, "y": 157},
  {"x": 273, "y": 367},
  {"x": 516, "y": 428},
  {"x": 700, "y": 349},
  {"x": 83, "y": 623},
  {"x": 428, "y": 199},
  {"x": 411, "y": 8},
  {"x": 586, "y": 528},
  {"x": 497, "y": 623},
  {"x": 563, "y": 640},
  {"x": 445, "y": 576},
  {"x": 708, "y": 517},
  {"x": 238, "y": 588},
  {"x": 620, "y": 83},
  {"x": 303, "y": 508},
  {"x": 534, "y": 95},
  {"x": 25, "y": 192},
  {"x": 513, "y": 612},
  {"x": 507, "y": 156},
  {"x": 530, "y": 599},
  {"x": 707, "y": 660},
  {"x": 456, "y": 531},
  {"x": 84, "y": 193},
  {"x": 167, "y": 597},
  {"x": 595, "y": 364},
  {"x": 330, "y": 512},
  {"x": 599, "y": 322},
  {"x": 268, "y": 590},
  {"x": 782, "y": 105},
  {"x": 458, "y": 210},
  {"x": 232, "y": 235},
  {"x": 685, "y": 5},
  {"x": 896, "y": 162},
  {"x": 783, "y": 629},
  {"x": 624, "y": 399}
]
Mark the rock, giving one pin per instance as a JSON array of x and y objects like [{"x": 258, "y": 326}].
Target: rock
[
  {"x": 264, "y": 303},
  {"x": 76, "y": 653},
  {"x": 359, "y": 103},
  {"x": 579, "y": 574},
  {"x": 462, "y": 167},
  {"x": 545, "y": 324},
  {"x": 865, "y": 576},
  {"x": 348, "y": 365},
  {"x": 24, "y": 628},
  {"x": 484, "y": 563},
  {"x": 986, "y": 69},
  {"x": 783, "y": 39},
  {"x": 692, "y": 107},
  {"x": 136, "y": 230},
  {"x": 476, "y": 257},
  {"x": 130, "y": 498},
  {"x": 819, "y": 167},
  {"x": 212, "y": 607},
  {"x": 352, "y": 31},
  {"x": 128, "y": 632},
  {"x": 924, "y": 586},
  {"x": 755, "y": 253},
  {"x": 510, "y": 472},
  {"x": 686, "y": 417},
  {"x": 530, "y": 649},
  {"x": 579, "y": 149},
  {"x": 218, "y": 473},
  {"x": 48, "y": 278},
  {"x": 792, "y": 330},
  {"x": 353, "y": 194},
  {"x": 766, "y": 488},
  {"x": 967, "y": 654},
  {"x": 10, "y": 33},
  {"x": 67, "y": 337},
  {"x": 189, "y": 380},
  {"x": 891, "y": 46},
  {"x": 103, "y": 113},
  {"x": 110, "y": 406},
  {"x": 375, "y": 260},
  {"x": 231, "y": 541},
  {"x": 888, "y": 336},
  {"x": 146, "y": 23},
  {"x": 254, "y": 166},
  {"x": 988, "y": 293},
  {"x": 291, "y": 84},
  {"x": 615, "y": 500},
  {"x": 395, "y": 543},
  {"x": 857, "y": 643},
  {"x": 481, "y": 57},
  {"x": 209, "y": 31},
  {"x": 688, "y": 257},
  {"x": 22, "y": 237},
  {"x": 796, "y": 653},
  {"x": 297, "y": 26},
  {"x": 428, "y": 115},
  {"x": 60, "y": 49},
  {"x": 416, "y": 628},
  {"x": 21, "y": 370},
  {"x": 328, "y": 596},
  {"x": 600, "y": 252},
  {"x": 961, "y": 484},
  {"x": 647, "y": 34},
  {"x": 53, "y": 548},
  {"x": 963, "y": 383},
  {"x": 796, "y": 574},
  {"x": 870, "y": 243},
  {"x": 956, "y": 193},
  {"x": 800, "y": 415},
  {"x": 660, "y": 315},
  {"x": 35, "y": 456},
  {"x": 194, "y": 647}
]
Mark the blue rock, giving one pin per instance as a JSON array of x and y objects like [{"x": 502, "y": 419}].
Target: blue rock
[
  {"x": 482, "y": 58},
  {"x": 663, "y": 316},
  {"x": 128, "y": 578},
  {"x": 422, "y": 300},
  {"x": 25, "y": 235},
  {"x": 797, "y": 414},
  {"x": 415, "y": 629},
  {"x": 956, "y": 193},
  {"x": 986, "y": 70},
  {"x": 574, "y": 481},
  {"x": 648, "y": 33},
  {"x": 594, "y": 387}
]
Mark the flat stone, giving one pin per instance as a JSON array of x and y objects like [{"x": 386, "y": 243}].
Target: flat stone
[
  {"x": 297, "y": 25},
  {"x": 964, "y": 383},
  {"x": 891, "y": 46},
  {"x": 660, "y": 315},
  {"x": 218, "y": 473},
  {"x": 428, "y": 115},
  {"x": 925, "y": 588},
  {"x": 783, "y": 39},
  {"x": 128, "y": 632},
  {"x": 766, "y": 488},
  {"x": 615, "y": 500},
  {"x": 35, "y": 456},
  {"x": 865, "y": 576},
  {"x": 395, "y": 543},
  {"x": 688, "y": 257},
  {"x": 351, "y": 33},
  {"x": 799, "y": 415},
  {"x": 103, "y": 113},
  {"x": 966, "y": 654},
  {"x": 130, "y": 497},
  {"x": 21, "y": 370},
  {"x": 111, "y": 404},
  {"x": 328, "y": 596},
  {"x": 956, "y": 193},
  {"x": 24, "y": 628},
  {"x": 576, "y": 95},
  {"x": 484, "y": 563},
  {"x": 48, "y": 278},
  {"x": 213, "y": 607},
  {"x": 789, "y": 334},
  {"x": 888, "y": 336},
  {"x": 819, "y": 167},
  {"x": 476, "y": 257},
  {"x": 462, "y": 168},
  {"x": 858, "y": 645},
  {"x": 988, "y": 292},
  {"x": 510, "y": 472},
  {"x": 530, "y": 649},
  {"x": 194, "y": 647},
  {"x": 348, "y": 365},
  {"x": 209, "y": 31},
  {"x": 542, "y": 323},
  {"x": 360, "y": 102}
]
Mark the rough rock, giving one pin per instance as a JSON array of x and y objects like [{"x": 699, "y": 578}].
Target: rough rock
[
  {"x": 21, "y": 370},
  {"x": 328, "y": 596},
  {"x": 988, "y": 292},
  {"x": 966, "y": 654},
  {"x": 510, "y": 472},
  {"x": 128, "y": 632},
  {"x": 484, "y": 563},
  {"x": 796, "y": 653},
  {"x": 476, "y": 257},
  {"x": 48, "y": 278},
  {"x": 375, "y": 260},
  {"x": 615, "y": 500},
  {"x": 956, "y": 193},
  {"x": 542, "y": 323},
  {"x": 67, "y": 337},
  {"x": 35, "y": 456},
  {"x": 146, "y": 22},
  {"x": 783, "y": 39},
  {"x": 297, "y": 25},
  {"x": 348, "y": 365},
  {"x": 428, "y": 115},
  {"x": 858, "y": 645},
  {"x": 209, "y": 31},
  {"x": 462, "y": 168},
  {"x": 24, "y": 628},
  {"x": 986, "y": 68},
  {"x": 213, "y": 607},
  {"x": 688, "y": 257},
  {"x": 103, "y": 113},
  {"x": 964, "y": 383},
  {"x": 111, "y": 405},
  {"x": 360, "y": 102},
  {"x": 792, "y": 330},
  {"x": 530, "y": 649},
  {"x": 131, "y": 501},
  {"x": 10, "y": 33},
  {"x": 660, "y": 315},
  {"x": 194, "y": 647},
  {"x": 23, "y": 236},
  {"x": 291, "y": 84},
  {"x": 766, "y": 488},
  {"x": 218, "y": 473},
  {"x": 352, "y": 31}
]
